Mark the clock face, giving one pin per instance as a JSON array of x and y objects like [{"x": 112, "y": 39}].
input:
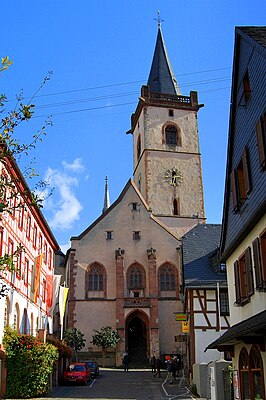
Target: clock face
[{"x": 173, "y": 176}]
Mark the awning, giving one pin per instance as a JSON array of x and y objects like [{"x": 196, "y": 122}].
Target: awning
[{"x": 249, "y": 331}]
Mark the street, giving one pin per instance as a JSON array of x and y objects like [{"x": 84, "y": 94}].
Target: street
[{"x": 120, "y": 385}]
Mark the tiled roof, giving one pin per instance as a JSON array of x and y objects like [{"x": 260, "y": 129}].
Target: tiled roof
[
  {"x": 200, "y": 247},
  {"x": 257, "y": 33},
  {"x": 161, "y": 78}
]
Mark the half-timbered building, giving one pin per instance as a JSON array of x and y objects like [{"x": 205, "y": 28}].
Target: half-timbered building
[{"x": 205, "y": 289}]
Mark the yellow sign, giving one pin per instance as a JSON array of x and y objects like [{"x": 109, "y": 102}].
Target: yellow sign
[{"x": 185, "y": 327}]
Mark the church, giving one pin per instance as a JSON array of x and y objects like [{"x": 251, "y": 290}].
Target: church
[{"x": 125, "y": 269}]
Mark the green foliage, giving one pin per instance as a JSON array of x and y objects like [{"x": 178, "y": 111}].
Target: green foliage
[
  {"x": 105, "y": 338},
  {"x": 29, "y": 365},
  {"x": 74, "y": 338},
  {"x": 64, "y": 350},
  {"x": 193, "y": 389}
]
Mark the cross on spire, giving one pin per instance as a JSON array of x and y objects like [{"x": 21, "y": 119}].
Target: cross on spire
[{"x": 158, "y": 19}]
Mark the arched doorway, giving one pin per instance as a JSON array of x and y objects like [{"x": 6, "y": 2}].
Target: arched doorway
[{"x": 137, "y": 338}]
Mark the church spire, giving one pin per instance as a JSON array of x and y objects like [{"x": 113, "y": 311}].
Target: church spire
[
  {"x": 161, "y": 78},
  {"x": 106, "y": 196}
]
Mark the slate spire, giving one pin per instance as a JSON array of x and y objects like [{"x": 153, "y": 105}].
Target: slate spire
[
  {"x": 106, "y": 196},
  {"x": 161, "y": 78}
]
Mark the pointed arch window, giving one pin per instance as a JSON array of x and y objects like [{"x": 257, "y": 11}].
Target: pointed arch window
[
  {"x": 135, "y": 278},
  {"x": 16, "y": 317},
  {"x": 95, "y": 281},
  {"x": 244, "y": 374},
  {"x": 167, "y": 278}
]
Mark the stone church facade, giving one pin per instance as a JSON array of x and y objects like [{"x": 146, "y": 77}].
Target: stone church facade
[{"x": 125, "y": 268}]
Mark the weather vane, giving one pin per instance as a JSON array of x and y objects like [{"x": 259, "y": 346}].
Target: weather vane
[{"x": 158, "y": 19}]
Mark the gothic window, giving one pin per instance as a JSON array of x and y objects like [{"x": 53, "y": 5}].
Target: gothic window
[
  {"x": 16, "y": 317},
  {"x": 95, "y": 280},
  {"x": 135, "y": 278},
  {"x": 167, "y": 278},
  {"x": 256, "y": 374}
]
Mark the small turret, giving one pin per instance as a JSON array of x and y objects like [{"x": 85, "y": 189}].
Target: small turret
[{"x": 106, "y": 196}]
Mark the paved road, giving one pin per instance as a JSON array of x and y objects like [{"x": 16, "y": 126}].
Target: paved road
[{"x": 120, "y": 385}]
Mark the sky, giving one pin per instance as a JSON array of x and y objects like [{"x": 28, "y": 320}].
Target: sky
[{"x": 98, "y": 54}]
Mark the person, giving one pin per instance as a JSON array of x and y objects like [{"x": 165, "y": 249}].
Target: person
[
  {"x": 153, "y": 364},
  {"x": 158, "y": 366},
  {"x": 174, "y": 367},
  {"x": 170, "y": 370},
  {"x": 126, "y": 361}
]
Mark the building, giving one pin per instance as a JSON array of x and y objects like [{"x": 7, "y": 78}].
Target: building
[
  {"x": 125, "y": 268},
  {"x": 205, "y": 291},
  {"x": 27, "y": 299},
  {"x": 243, "y": 241}
]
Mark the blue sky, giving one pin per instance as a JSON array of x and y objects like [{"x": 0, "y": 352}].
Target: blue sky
[{"x": 100, "y": 54}]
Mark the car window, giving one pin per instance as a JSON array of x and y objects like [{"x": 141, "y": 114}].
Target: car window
[{"x": 77, "y": 368}]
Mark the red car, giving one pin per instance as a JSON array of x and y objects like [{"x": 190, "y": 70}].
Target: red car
[{"x": 77, "y": 372}]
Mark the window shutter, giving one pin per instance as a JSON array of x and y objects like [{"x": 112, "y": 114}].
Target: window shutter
[
  {"x": 257, "y": 262},
  {"x": 249, "y": 272},
  {"x": 246, "y": 171},
  {"x": 233, "y": 188},
  {"x": 237, "y": 282},
  {"x": 261, "y": 142}
]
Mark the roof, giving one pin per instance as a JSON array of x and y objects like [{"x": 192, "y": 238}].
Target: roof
[
  {"x": 161, "y": 78},
  {"x": 200, "y": 249},
  {"x": 251, "y": 330},
  {"x": 257, "y": 33}
]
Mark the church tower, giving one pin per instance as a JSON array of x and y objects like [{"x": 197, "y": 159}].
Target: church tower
[{"x": 167, "y": 160}]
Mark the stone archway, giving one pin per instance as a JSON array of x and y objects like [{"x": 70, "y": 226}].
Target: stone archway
[{"x": 137, "y": 338}]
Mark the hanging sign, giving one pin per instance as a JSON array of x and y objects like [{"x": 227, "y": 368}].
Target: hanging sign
[
  {"x": 185, "y": 327},
  {"x": 181, "y": 317}
]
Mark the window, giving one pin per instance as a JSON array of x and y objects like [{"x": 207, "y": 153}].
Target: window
[
  {"x": 246, "y": 83},
  {"x": 134, "y": 206},
  {"x": 167, "y": 278},
  {"x": 244, "y": 374},
  {"x": 135, "y": 278},
  {"x": 7, "y": 312},
  {"x": 40, "y": 244},
  {"x": 171, "y": 113},
  {"x": 259, "y": 257},
  {"x": 171, "y": 135},
  {"x": 261, "y": 140},
  {"x": 109, "y": 235},
  {"x": 50, "y": 259},
  {"x": 16, "y": 317},
  {"x": 44, "y": 288},
  {"x": 45, "y": 253},
  {"x": 21, "y": 217},
  {"x": 34, "y": 238},
  {"x": 138, "y": 147},
  {"x": 28, "y": 228},
  {"x": 10, "y": 246},
  {"x": 244, "y": 285},
  {"x": 222, "y": 267},
  {"x": 95, "y": 278},
  {"x": 176, "y": 207},
  {"x": 26, "y": 271},
  {"x": 136, "y": 235},
  {"x": 224, "y": 303},
  {"x": 240, "y": 182}
]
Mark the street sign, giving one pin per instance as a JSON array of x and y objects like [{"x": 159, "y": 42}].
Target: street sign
[
  {"x": 185, "y": 327},
  {"x": 181, "y": 317},
  {"x": 180, "y": 338}
]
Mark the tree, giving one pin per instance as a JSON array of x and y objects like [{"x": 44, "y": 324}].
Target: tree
[
  {"x": 105, "y": 338},
  {"x": 11, "y": 149},
  {"x": 75, "y": 339}
]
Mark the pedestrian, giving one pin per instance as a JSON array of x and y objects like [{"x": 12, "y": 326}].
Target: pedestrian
[
  {"x": 170, "y": 369},
  {"x": 153, "y": 364},
  {"x": 158, "y": 366},
  {"x": 174, "y": 367},
  {"x": 126, "y": 361}
]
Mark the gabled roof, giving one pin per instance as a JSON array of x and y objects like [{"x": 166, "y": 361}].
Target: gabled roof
[
  {"x": 257, "y": 33},
  {"x": 129, "y": 184},
  {"x": 200, "y": 249},
  {"x": 161, "y": 78}
]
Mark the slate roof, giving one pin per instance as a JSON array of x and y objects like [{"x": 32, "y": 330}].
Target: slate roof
[
  {"x": 257, "y": 33},
  {"x": 161, "y": 78},
  {"x": 200, "y": 246}
]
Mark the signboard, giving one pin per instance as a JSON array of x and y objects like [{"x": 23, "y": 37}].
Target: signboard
[
  {"x": 181, "y": 317},
  {"x": 185, "y": 327},
  {"x": 180, "y": 338}
]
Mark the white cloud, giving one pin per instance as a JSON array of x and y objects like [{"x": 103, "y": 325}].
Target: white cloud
[
  {"x": 76, "y": 166},
  {"x": 63, "y": 204},
  {"x": 65, "y": 247}
]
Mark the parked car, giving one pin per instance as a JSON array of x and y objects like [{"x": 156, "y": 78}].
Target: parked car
[
  {"x": 77, "y": 372},
  {"x": 94, "y": 368}
]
